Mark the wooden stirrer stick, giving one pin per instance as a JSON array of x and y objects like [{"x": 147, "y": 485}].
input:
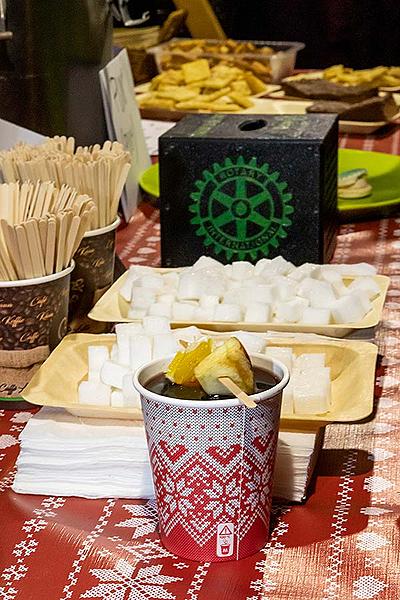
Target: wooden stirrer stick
[{"x": 236, "y": 391}]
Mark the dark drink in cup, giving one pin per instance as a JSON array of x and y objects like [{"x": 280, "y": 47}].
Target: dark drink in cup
[{"x": 212, "y": 462}]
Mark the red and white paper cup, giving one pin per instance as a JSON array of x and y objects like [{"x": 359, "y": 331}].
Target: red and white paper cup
[{"x": 212, "y": 464}]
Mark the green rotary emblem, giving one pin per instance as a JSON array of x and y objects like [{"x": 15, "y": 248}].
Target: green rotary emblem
[{"x": 241, "y": 209}]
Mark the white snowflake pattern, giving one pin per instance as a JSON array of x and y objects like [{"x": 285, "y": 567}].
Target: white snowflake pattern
[
  {"x": 223, "y": 498},
  {"x": 21, "y": 417},
  {"x": 25, "y": 548},
  {"x": 6, "y": 441},
  {"x": 176, "y": 496},
  {"x": 14, "y": 572},
  {"x": 143, "y": 520},
  {"x": 145, "y": 552},
  {"x": 8, "y": 594},
  {"x": 34, "y": 525},
  {"x": 122, "y": 582}
]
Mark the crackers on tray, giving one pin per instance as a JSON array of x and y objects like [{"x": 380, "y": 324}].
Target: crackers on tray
[{"x": 198, "y": 86}]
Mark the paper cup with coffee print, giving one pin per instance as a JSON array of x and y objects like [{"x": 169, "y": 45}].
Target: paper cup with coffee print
[
  {"x": 92, "y": 277},
  {"x": 33, "y": 320}
]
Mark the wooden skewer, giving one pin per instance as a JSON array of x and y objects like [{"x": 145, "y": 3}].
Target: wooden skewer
[{"x": 237, "y": 392}]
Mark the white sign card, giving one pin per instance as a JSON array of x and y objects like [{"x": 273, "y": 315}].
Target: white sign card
[{"x": 124, "y": 123}]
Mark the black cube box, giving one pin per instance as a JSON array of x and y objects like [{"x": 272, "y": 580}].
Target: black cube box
[{"x": 243, "y": 187}]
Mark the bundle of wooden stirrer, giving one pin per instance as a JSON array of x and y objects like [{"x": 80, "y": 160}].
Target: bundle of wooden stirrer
[
  {"x": 99, "y": 172},
  {"x": 41, "y": 228}
]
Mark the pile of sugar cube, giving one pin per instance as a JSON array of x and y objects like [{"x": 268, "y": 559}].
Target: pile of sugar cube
[
  {"x": 309, "y": 388},
  {"x": 272, "y": 291},
  {"x": 109, "y": 380}
]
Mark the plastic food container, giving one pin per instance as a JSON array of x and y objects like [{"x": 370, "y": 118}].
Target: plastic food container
[{"x": 269, "y": 67}]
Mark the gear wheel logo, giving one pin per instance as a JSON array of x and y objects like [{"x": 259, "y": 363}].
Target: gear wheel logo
[{"x": 241, "y": 209}]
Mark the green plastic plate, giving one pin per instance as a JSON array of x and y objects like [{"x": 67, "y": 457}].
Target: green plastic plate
[
  {"x": 149, "y": 181},
  {"x": 383, "y": 175}
]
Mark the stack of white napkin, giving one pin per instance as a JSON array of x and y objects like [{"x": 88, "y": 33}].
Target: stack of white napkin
[{"x": 63, "y": 455}]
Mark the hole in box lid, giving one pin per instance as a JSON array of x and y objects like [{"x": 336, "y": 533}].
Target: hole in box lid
[{"x": 252, "y": 125}]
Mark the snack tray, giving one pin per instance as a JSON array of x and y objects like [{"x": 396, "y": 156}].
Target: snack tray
[
  {"x": 282, "y": 104},
  {"x": 352, "y": 366},
  {"x": 282, "y": 62},
  {"x": 113, "y": 308}
]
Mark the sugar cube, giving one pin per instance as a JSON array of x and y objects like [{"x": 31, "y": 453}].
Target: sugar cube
[
  {"x": 131, "y": 396},
  {"x": 187, "y": 334},
  {"x": 316, "y": 316},
  {"x": 241, "y": 270},
  {"x": 281, "y": 265},
  {"x": 204, "y": 315},
  {"x": 153, "y": 325},
  {"x": 123, "y": 348},
  {"x": 117, "y": 399},
  {"x": 164, "y": 344},
  {"x": 266, "y": 294},
  {"x": 207, "y": 300},
  {"x": 303, "y": 271},
  {"x": 260, "y": 265},
  {"x": 367, "y": 284},
  {"x": 141, "y": 348},
  {"x": 252, "y": 342},
  {"x": 154, "y": 281},
  {"x": 312, "y": 393},
  {"x": 284, "y": 354},
  {"x": 142, "y": 298},
  {"x": 205, "y": 262},
  {"x": 363, "y": 296},
  {"x": 182, "y": 311},
  {"x": 128, "y": 328},
  {"x": 97, "y": 355},
  {"x": 136, "y": 313},
  {"x": 283, "y": 289},
  {"x": 171, "y": 279},
  {"x": 114, "y": 353},
  {"x": 126, "y": 289},
  {"x": 190, "y": 285},
  {"x": 290, "y": 311},
  {"x": 287, "y": 400},
  {"x": 257, "y": 312},
  {"x": 159, "y": 309},
  {"x": 227, "y": 312},
  {"x": 309, "y": 360},
  {"x": 347, "y": 309},
  {"x": 94, "y": 393},
  {"x": 166, "y": 298},
  {"x": 112, "y": 373}
]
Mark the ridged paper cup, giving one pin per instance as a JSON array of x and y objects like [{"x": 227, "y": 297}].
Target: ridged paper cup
[
  {"x": 212, "y": 464},
  {"x": 92, "y": 277},
  {"x": 33, "y": 320}
]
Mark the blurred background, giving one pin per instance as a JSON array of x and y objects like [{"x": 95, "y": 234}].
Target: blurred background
[{"x": 360, "y": 34}]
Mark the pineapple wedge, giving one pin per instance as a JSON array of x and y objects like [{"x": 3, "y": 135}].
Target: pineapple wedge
[
  {"x": 229, "y": 360},
  {"x": 181, "y": 368}
]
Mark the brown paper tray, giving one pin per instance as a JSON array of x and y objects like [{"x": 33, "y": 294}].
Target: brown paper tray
[
  {"x": 352, "y": 370},
  {"x": 114, "y": 309}
]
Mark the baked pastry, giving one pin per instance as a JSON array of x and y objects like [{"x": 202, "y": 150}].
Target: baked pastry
[
  {"x": 322, "y": 89},
  {"x": 372, "y": 109},
  {"x": 353, "y": 184}
]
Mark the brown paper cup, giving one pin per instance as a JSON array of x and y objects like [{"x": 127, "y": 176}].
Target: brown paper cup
[
  {"x": 92, "y": 277},
  {"x": 33, "y": 320}
]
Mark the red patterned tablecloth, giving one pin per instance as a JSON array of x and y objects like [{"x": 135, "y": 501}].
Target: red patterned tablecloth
[{"x": 343, "y": 543}]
